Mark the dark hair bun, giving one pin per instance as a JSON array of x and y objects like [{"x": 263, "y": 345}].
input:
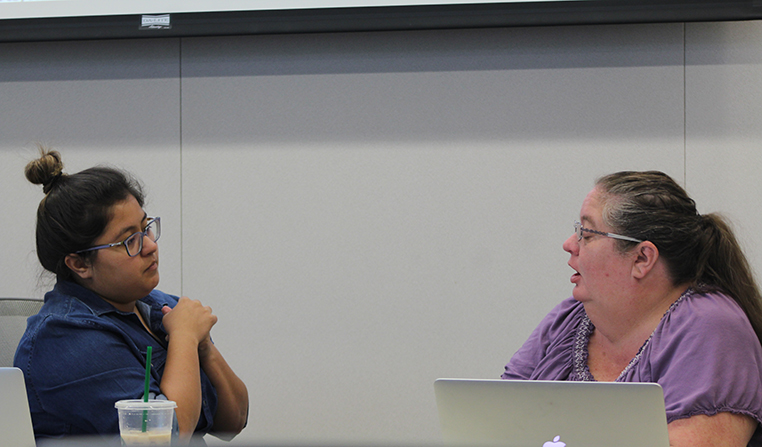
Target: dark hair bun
[{"x": 46, "y": 170}]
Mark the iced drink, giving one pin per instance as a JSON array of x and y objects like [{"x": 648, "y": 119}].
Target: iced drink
[
  {"x": 146, "y": 423},
  {"x": 152, "y": 437}
]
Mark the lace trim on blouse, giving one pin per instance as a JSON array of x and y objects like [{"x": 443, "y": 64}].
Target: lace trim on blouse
[{"x": 581, "y": 370}]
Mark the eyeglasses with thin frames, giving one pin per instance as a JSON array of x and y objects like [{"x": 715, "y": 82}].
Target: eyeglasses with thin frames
[
  {"x": 578, "y": 229},
  {"x": 134, "y": 242}
]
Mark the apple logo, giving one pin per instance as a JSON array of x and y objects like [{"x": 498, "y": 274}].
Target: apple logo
[{"x": 555, "y": 443}]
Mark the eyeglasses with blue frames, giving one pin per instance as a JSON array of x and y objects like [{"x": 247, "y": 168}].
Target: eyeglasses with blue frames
[
  {"x": 579, "y": 229},
  {"x": 134, "y": 242}
]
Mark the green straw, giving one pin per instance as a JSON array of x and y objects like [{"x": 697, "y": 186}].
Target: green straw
[{"x": 145, "y": 392}]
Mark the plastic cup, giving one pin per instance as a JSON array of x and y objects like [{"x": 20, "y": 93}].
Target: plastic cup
[{"x": 146, "y": 422}]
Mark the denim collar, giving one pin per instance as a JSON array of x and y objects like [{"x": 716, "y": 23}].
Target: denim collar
[{"x": 92, "y": 300}]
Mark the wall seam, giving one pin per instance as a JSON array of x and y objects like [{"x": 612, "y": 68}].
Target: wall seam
[
  {"x": 180, "y": 138},
  {"x": 685, "y": 107}
]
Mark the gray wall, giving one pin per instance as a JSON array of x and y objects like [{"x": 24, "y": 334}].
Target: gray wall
[{"x": 368, "y": 212}]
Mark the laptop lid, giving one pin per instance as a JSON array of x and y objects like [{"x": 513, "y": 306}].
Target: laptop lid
[
  {"x": 15, "y": 419},
  {"x": 551, "y": 413}
]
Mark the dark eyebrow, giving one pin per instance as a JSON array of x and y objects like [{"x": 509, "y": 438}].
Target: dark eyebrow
[{"x": 129, "y": 229}]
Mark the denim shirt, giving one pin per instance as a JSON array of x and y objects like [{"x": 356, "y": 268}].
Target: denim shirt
[{"x": 80, "y": 355}]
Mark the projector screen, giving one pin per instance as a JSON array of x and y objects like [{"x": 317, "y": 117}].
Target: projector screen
[{"x": 22, "y": 20}]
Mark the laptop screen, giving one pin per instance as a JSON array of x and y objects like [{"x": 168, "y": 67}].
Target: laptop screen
[
  {"x": 551, "y": 414},
  {"x": 15, "y": 419}
]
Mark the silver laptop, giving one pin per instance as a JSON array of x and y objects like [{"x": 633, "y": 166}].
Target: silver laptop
[
  {"x": 522, "y": 413},
  {"x": 15, "y": 419}
]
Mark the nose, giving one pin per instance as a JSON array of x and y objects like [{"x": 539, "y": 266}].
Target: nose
[
  {"x": 571, "y": 245},
  {"x": 149, "y": 245}
]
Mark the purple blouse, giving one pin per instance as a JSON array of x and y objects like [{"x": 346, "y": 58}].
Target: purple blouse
[{"x": 704, "y": 353}]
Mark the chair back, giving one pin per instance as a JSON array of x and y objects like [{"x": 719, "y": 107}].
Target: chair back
[{"x": 13, "y": 315}]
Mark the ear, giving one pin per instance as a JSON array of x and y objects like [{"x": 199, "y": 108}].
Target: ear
[
  {"x": 646, "y": 256},
  {"x": 82, "y": 268}
]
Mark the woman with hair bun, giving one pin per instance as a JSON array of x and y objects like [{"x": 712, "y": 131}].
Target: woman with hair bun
[
  {"x": 87, "y": 347},
  {"x": 661, "y": 294}
]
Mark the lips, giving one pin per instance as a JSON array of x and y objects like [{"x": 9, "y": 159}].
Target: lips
[{"x": 575, "y": 277}]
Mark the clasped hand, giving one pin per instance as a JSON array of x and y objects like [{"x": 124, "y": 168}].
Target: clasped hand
[{"x": 189, "y": 319}]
